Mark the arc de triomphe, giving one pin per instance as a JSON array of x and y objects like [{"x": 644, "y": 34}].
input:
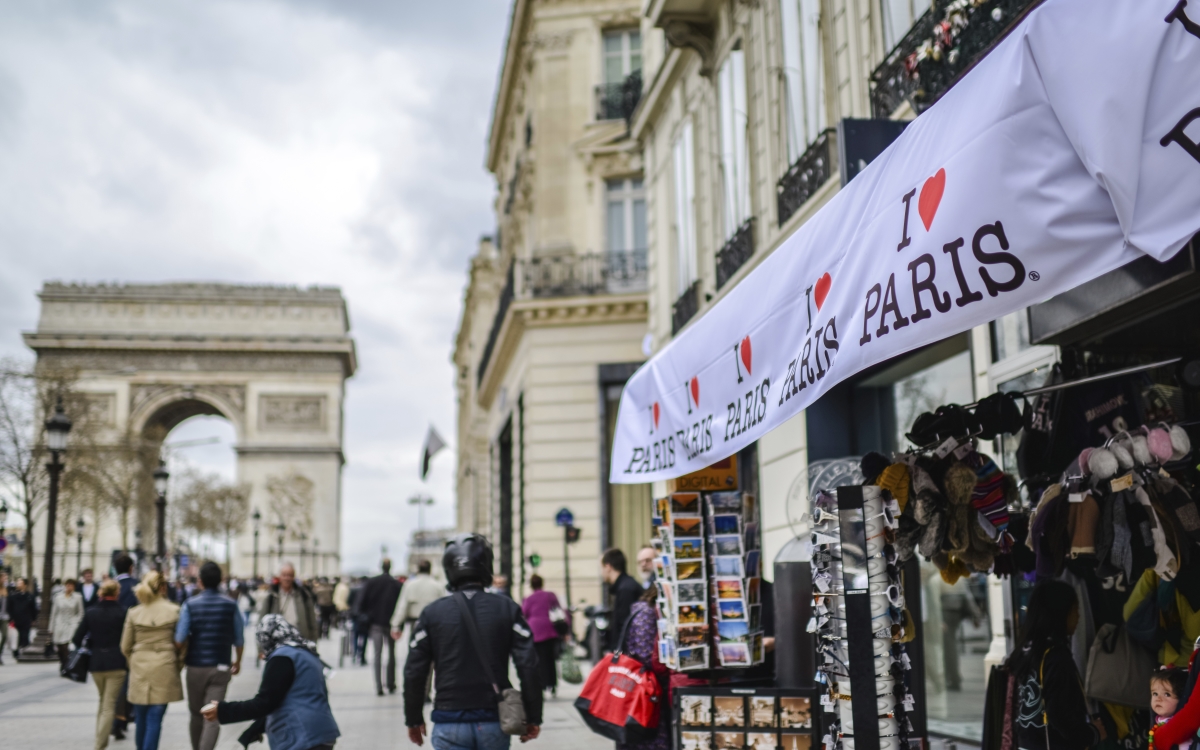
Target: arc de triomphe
[{"x": 271, "y": 360}]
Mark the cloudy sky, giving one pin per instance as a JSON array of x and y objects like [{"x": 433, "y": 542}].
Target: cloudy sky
[{"x": 265, "y": 141}]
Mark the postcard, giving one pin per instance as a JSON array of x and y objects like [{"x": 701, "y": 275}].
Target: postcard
[
  {"x": 695, "y": 741},
  {"x": 694, "y": 635},
  {"x": 730, "y": 544},
  {"x": 686, "y": 526},
  {"x": 693, "y": 658},
  {"x": 666, "y": 650},
  {"x": 752, "y": 538},
  {"x": 795, "y": 741},
  {"x": 761, "y": 740},
  {"x": 732, "y": 609},
  {"x": 755, "y": 616},
  {"x": 695, "y": 710},
  {"x": 725, "y": 502},
  {"x": 691, "y": 614},
  {"x": 752, "y": 590},
  {"x": 690, "y": 592},
  {"x": 734, "y": 654},
  {"x": 727, "y": 565},
  {"x": 729, "y": 524},
  {"x": 795, "y": 713},
  {"x": 729, "y": 710},
  {"x": 660, "y": 567},
  {"x": 762, "y": 711},
  {"x": 692, "y": 570},
  {"x": 662, "y": 509},
  {"x": 753, "y": 560},
  {"x": 749, "y": 508},
  {"x": 657, "y": 544},
  {"x": 756, "y": 648},
  {"x": 730, "y": 741},
  {"x": 729, "y": 588},
  {"x": 733, "y": 632},
  {"x": 685, "y": 504},
  {"x": 666, "y": 562},
  {"x": 689, "y": 549}
]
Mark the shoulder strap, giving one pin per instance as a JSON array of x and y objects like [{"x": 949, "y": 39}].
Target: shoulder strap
[{"x": 477, "y": 645}]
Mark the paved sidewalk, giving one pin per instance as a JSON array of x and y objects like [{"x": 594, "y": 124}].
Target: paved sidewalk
[{"x": 39, "y": 710}]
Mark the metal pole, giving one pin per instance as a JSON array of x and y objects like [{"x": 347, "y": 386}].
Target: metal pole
[
  {"x": 567, "y": 564},
  {"x": 79, "y": 555},
  {"x": 43, "y": 621},
  {"x": 256, "y": 554},
  {"x": 160, "y": 543}
]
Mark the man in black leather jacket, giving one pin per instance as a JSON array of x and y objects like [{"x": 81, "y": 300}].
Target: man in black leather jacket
[{"x": 465, "y": 710}]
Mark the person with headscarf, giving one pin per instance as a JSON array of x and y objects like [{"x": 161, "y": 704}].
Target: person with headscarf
[{"x": 292, "y": 705}]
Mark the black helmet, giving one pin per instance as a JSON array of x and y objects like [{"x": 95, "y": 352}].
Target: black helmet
[{"x": 468, "y": 558}]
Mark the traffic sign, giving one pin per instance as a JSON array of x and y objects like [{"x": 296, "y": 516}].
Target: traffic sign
[
  {"x": 565, "y": 517},
  {"x": 535, "y": 560},
  {"x": 3, "y": 543}
]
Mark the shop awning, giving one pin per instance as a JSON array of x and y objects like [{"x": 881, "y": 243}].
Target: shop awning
[{"x": 1068, "y": 151}]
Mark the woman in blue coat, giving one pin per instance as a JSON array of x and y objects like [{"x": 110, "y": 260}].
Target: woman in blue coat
[{"x": 292, "y": 705}]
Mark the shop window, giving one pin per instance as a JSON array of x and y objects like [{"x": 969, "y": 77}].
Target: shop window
[
  {"x": 626, "y": 216},
  {"x": 622, "y": 54},
  {"x": 898, "y": 18},
  {"x": 735, "y": 158},
  {"x": 803, "y": 74},
  {"x": 685, "y": 209},
  {"x": 1010, "y": 335},
  {"x": 947, "y": 382}
]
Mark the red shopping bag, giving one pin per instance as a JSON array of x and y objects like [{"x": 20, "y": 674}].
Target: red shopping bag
[{"x": 621, "y": 699}]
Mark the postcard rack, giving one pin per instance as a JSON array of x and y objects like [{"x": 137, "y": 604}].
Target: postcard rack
[{"x": 742, "y": 718}]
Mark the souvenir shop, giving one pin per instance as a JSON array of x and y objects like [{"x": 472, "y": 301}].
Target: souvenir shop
[{"x": 997, "y": 355}]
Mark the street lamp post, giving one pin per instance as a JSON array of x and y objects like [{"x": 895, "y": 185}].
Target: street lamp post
[
  {"x": 421, "y": 501},
  {"x": 3, "y": 538},
  {"x": 79, "y": 547},
  {"x": 257, "y": 519},
  {"x": 279, "y": 530},
  {"x": 317, "y": 567},
  {"x": 160, "y": 506},
  {"x": 57, "y": 427},
  {"x": 303, "y": 539}
]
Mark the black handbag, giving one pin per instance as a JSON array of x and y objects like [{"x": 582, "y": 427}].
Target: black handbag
[{"x": 76, "y": 668}]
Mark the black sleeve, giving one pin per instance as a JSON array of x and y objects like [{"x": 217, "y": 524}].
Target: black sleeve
[
  {"x": 81, "y": 631},
  {"x": 1066, "y": 708},
  {"x": 525, "y": 658},
  {"x": 277, "y": 678},
  {"x": 416, "y": 672}
]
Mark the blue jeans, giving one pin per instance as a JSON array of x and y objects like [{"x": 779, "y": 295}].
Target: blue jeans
[
  {"x": 149, "y": 721},
  {"x": 469, "y": 736}
]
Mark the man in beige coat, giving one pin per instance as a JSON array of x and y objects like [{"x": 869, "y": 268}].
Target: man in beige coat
[{"x": 148, "y": 643}]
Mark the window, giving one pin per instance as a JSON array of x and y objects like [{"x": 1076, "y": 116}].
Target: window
[
  {"x": 735, "y": 159},
  {"x": 685, "y": 218},
  {"x": 622, "y": 54},
  {"x": 626, "y": 220},
  {"x": 898, "y": 18},
  {"x": 804, "y": 73}
]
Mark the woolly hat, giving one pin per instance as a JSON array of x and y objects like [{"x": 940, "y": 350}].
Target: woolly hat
[
  {"x": 1102, "y": 464},
  {"x": 1160, "y": 444},
  {"x": 1120, "y": 451},
  {"x": 894, "y": 479},
  {"x": 1141, "y": 451},
  {"x": 988, "y": 495},
  {"x": 1181, "y": 444}
]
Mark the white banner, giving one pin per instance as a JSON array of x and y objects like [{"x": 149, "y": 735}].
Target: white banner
[{"x": 1071, "y": 149}]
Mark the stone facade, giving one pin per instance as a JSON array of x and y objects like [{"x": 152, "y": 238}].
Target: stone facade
[
  {"x": 555, "y": 307},
  {"x": 270, "y": 360}
]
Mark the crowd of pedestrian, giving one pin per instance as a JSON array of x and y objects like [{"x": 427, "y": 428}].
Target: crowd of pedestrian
[{"x": 154, "y": 641}]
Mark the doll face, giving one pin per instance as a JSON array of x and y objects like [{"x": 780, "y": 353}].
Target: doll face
[{"x": 1163, "y": 700}]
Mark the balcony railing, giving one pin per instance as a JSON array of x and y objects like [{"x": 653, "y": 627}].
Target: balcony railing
[
  {"x": 569, "y": 275},
  {"x": 802, "y": 179},
  {"x": 506, "y": 298},
  {"x": 616, "y": 101},
  {"x": 685, "y": 307},
  {"x": 943, "y": 44},
  {"x": 736, "y": 252}
]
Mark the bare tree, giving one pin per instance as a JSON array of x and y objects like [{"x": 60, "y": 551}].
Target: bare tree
[
  {"x": 115, "y": 473},
  {"x": 208, "y": 505}
]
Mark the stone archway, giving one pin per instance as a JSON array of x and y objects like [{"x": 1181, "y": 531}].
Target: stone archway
[{"x": 271, "y": 360}]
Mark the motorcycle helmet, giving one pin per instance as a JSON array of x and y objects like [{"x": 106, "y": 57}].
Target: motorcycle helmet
[{"x": 468, "y": 558}]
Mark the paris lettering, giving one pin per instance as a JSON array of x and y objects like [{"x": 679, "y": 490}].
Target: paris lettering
[
  {"x": 662, "y": 454},
  {"x": 813, "y": 362},
  {"x": 1176, "y": 134},
  {"x": 747, "y": 411}
]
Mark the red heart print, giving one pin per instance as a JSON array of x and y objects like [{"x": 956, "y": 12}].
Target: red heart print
[
  {"x": 656, "y": 415},
  {"x": 745, "y": 350},
  {"x": 821, "y": 290},
  {"x": 696, "y": 390},
  {"x": 931, "y": 197}
]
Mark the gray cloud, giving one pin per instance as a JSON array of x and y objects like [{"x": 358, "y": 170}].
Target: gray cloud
[{"x": 265, "y": 141}]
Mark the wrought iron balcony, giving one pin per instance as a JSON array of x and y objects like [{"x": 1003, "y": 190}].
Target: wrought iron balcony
[
  {"x": 616, "y": 101},
  {"x": 802, "y": 179},
  {"x": 506, "y": 298},
  {"x": 736, "y": 252},
  {"x": 685, "y": 307},
  {"x": 941, "y": 46},
  {"x": 570, "y": 275}
]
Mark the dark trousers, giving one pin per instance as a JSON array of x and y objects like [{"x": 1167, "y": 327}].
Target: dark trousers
[
  {"x": 547, "y": 654},
  {"x": 64, "y": 653},
  {"x": 23, "y": 634},
  {"x": 361, "y": 629},
  {"x": 381, "y": 638},
  {"x": 327, "y": 613}
]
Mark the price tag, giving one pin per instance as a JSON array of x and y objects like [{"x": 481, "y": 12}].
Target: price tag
[
  {"x": 963, "y": 450},
  {"x": 1122, "y": 483},
  {"x": 944, "y": 449},
  {"x": 1075, "y": 497}
]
